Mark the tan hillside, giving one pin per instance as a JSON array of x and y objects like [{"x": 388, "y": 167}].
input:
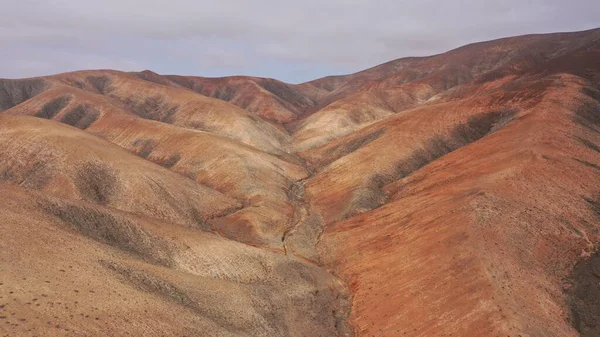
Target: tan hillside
[{"x": 450, "y": 195}]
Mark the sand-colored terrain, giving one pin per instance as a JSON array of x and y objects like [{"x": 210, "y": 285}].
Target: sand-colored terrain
[{"x": 451, "y": 195}]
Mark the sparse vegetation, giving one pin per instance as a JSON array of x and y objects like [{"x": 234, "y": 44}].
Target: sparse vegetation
[
  {"x": 352, "y": 145},
  {"x": 15, "y": 92},
  {"x": 105, "y": 243},
  {"x": 52, "y": 108},
  {"x": 143, "y": 147},
  {"x": 170, "y": 161},
  {"x": 153, "y": 284},
  {"x": 588, "y": 144},
  {"x": 81, "y": 116},
  {"x": 585, "y": 296},
  {"x": 588, "y": 113},
  {"x": 225, "y": 94},
  {"x": 100, "y": 83},
  {"x": 96, "y": 182},
  {"x": 35, "y": 176},
  {"x": 476, "y": 127},
  {"x": 108, "y": 228},
  {"x": 155, "y": 108}
]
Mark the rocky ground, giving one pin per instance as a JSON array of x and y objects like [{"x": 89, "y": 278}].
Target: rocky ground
[{"x": 451, "y": 195}]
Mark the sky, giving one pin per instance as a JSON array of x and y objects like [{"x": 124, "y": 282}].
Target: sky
[{"x": 294, "y": 41}]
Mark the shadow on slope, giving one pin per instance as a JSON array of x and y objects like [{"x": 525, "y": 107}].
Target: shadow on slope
[{"x": 584, "y": 296}]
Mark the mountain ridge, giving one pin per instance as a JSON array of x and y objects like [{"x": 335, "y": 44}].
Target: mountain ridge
[{"x": 454, "y": 194}]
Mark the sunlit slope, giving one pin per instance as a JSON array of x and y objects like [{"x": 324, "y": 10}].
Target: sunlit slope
[
  {"x": 76, "y": 268},
  {"x": 450, "y": 195}
]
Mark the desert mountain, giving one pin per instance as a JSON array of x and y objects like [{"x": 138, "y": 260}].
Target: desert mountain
[{"x": 450, "y": 195}]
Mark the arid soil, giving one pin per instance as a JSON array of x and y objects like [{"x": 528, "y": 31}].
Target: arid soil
[{"x": 451, "y": 195}]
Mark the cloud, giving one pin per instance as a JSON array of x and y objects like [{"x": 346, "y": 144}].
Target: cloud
[
  {"x": 217, "y": 37},
  {"x": 31, "y": 62}
]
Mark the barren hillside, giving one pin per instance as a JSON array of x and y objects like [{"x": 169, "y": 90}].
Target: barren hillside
[{"x": 450, "y": 195}]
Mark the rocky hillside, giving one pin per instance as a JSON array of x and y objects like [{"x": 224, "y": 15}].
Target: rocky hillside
[{"x": 450, "y": 195}]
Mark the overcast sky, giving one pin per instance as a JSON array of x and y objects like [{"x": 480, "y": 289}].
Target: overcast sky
[{"x": 293, "y": 41}]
